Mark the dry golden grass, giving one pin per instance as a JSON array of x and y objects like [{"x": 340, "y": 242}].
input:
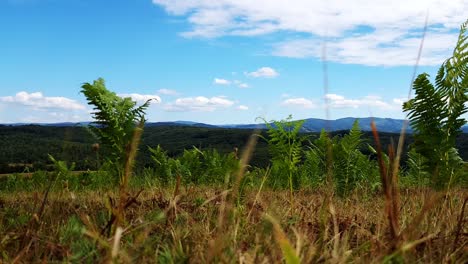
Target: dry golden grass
[{"x": 164, "y": 226}]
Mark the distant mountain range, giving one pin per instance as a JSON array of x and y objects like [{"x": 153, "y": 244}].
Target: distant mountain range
[{"x": 310, "y": 125}]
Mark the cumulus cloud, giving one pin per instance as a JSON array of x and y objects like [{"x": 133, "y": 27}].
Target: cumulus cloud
[
  {"x": 242, "y": 107},
  {"x": 340, "y": 102},
  {"x": 299, "y": 102},
  {"x": 168, "y": 92},
  {"x": 371, "y": 101},
  {"x": 142, "y": 98},
  {"x": 265, "y": 72},
  {"x": 199, "y": 104},
  {"x": 38, "y": 101},
  {"x": 399, "y": 101},
  {"x": 65, "y": 117},
  {"x": 221, "y": 81},
  {"x": 369, "y": 32},
  {"x": 384, "y": 48},
  {"x": 241, "y": 84}
]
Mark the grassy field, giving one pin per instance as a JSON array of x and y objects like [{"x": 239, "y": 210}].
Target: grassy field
[{"x": 205, "y": 224}]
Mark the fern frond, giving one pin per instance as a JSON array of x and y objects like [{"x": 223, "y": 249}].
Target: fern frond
[
  {"x": 115, "y": 117},
  {"x": 436, "y": 112}
]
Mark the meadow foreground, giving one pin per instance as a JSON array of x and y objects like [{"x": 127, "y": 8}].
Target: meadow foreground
[{"x": 203, "y": 224}]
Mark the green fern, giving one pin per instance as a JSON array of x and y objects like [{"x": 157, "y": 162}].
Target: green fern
[
  {"x": 314, "y": 168},
  {"x": 285, "y": 146},
  {"x": 436, "y": 113},
  {"x": 165, "y": 167},
  {"x": 351, "y": 168},
  {"x": 416, "y": 169},
  {"x": 116, "y": 119}
]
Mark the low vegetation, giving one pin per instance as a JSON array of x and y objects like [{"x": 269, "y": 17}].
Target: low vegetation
[
  {"x": 25, "y": 148},
  {"x": 169, "y": 226}
]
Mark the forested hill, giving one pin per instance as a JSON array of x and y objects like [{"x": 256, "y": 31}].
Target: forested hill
[
  {"x": 389, "y": 125},
  {"x": 28, "y": 146}
]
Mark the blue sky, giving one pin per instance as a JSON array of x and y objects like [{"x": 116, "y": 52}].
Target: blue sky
[{"x": 220, "y": 62}]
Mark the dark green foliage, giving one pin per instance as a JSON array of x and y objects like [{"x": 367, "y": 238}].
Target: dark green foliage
[
  {"x": 190, "y": 166},
  {"x": 293, "y": 166},
  {"x": 217, "y": 167},
  {"x": 314, "y": 169},
  {"x": 436, "y": 114},
  {"x": 351, "y": 167},
  {"x": 194, "y": 166},
  {"x": 28, "y": 146},
  {"x": 416, "y": 172},
  {"x": 285, "y": 146},
  {"x": 164, "y": 166},
  {"x": 173, "y": 141}
]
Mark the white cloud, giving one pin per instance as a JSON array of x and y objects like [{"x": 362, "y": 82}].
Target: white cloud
[
  {"x": 65, "y": 117},
  {"x": 399, "y": 101},
  {"x": 37, "y": 108},
  {"x": 242, "y": 107},
  {"x": 379, "y": 48},
  {"x": 337, "y": 101},
  {"x": 370, "y": 101},
  {"x": 142, "y": 98},
  {"x": 266, "y": 72},
  {"x": 221, "y": 81},
  {"x": 370, "y": 32},
  {"x": 199, "y": 103},
  {"x": 168, "y": 92},
  {"x": 38, "y": 101},
  {"x": 334, "y": 97},
  {"x": 241, "y": 84},
  {"x": 299, "y": 102},
  {"x": 52, "y": 117}
]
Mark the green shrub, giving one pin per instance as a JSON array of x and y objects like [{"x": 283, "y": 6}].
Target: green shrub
[
  {"x": 194, "y": 166},
  {"x": 351, "y": 168},
  {"x": 285, "y": 146}
]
